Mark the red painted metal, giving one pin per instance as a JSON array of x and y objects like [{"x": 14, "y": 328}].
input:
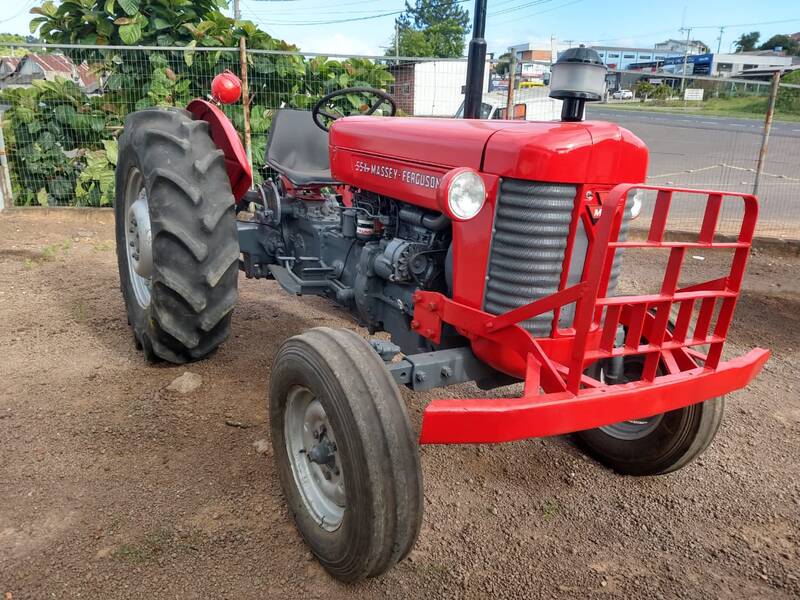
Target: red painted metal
[
  {"x": 586, "y": 153},
  {"x": 226, "y": 139},
  {"x": 496, "y": 420},
  {"x": 572, "y": 400}
]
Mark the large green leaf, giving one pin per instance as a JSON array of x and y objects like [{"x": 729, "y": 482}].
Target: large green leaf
[
  {"x": 65, "y": 113},
  {"x": 130, "y": 34},
  {"x": 131, "y": 7}
]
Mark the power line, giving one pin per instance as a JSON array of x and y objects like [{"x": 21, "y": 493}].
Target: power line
[
  {"x": 539, "y": 12},
  {"x": 25, "y": 9},
  {"x": 352, "y": 19},
  {"x": 519, "y": 7}
]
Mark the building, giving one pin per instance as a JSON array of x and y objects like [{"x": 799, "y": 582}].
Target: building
[
  {"x": 8, "y": 64},
  {"x": 715, "y": 65},
  {"x": 433, "y": 88},
  {"x": 47, "y": 67},
  {"x": 672, "y": 46},
  {"x": 533, "y": 59},
  {"x": 621, "y": 57}
]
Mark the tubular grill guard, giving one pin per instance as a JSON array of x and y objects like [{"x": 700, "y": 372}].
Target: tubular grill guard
[{"x": 572, "y": 400}]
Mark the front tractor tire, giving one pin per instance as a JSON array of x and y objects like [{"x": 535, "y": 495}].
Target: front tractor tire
[
  {"x": 656, "y": 445},
  {"x": 346, "y": 454},
  {"x": 177, "y": 247}
]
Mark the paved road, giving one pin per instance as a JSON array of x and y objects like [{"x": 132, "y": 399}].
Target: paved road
[
  {"x": 720, "y": 153},
  {"x": 702, "y": 122}
]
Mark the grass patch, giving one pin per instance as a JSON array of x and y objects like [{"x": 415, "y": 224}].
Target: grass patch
[
  {"x": 156, "y": 544},
  {"x": 550, "y": 509},
  {"x": 748, "y": 107},
  {"x": 102, "y": 246},
  {"x": 80, "y": 312},
  {"x": 53, "y": 251}
]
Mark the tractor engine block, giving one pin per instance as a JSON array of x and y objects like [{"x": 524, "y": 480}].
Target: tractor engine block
[{"x": 370, "y": 257}]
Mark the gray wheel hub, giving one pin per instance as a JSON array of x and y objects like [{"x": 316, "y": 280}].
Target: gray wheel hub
[
  {"x": 138, "y": 238},
  {"x": 314, "y": 458},
  {"x": 633, "y": 430}
]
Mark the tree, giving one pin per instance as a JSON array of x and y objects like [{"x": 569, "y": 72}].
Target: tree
[
  {"x": 789, "y": 45},
  {"x": 431, "y": 28},
  {"x": 788, "y": 101},
  {"x": 12, "y": 38},
  {"x": 503, "y": 64},
  {"x": 747, "y": 41}
]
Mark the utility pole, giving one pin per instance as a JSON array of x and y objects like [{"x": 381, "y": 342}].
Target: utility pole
[
  {"x": 396, "y": 42},
  {"x": 719, "y": 39},
  {"x": 688, "y": 31},
  {"x": 476, "y": 64},
  {"x": 237, "y": 13}
]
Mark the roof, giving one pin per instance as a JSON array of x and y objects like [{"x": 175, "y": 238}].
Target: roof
[
  {"x": 11, "y": 61},
  {"x": 58, "y": 65},
  {"x": 650, "y": 50}
]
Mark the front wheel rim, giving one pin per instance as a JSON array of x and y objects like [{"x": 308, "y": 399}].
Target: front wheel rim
[
  {"x": 634, "y": 429},
  {"x": 314, "y": 458}
]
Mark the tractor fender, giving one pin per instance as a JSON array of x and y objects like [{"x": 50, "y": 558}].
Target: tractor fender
[{"x": 226, "y": 138}]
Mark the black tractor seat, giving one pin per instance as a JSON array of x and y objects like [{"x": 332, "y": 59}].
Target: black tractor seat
[{"x": 298, "y": 149}]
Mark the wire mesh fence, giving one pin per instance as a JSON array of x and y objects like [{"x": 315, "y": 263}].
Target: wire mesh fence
[{"x": 63, "y": 109}]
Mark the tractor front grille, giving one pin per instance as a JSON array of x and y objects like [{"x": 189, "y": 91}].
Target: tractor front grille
[{"x": 531, "y": 226}]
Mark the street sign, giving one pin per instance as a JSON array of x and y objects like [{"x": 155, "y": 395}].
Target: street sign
[{"x": 695, "y": 94}]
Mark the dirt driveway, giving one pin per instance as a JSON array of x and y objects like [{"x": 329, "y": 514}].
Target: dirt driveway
[{"x": 112, "y": 486}]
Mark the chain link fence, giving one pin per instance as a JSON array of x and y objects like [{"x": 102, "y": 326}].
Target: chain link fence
[{"x": 63, "y": 107}]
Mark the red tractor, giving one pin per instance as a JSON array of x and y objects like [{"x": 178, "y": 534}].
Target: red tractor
[{"x": 488, "y": 250}]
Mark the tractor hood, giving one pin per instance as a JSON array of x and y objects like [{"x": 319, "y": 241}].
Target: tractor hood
[{"x": 581, "y": 152}]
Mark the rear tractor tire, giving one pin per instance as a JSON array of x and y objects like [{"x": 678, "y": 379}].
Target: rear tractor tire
[
  {"x": 656, "y": 445},
  {"x": 177, "y": 247},
  {"x": 345, "y": 451}
]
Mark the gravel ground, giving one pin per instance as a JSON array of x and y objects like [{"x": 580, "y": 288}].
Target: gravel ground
[{"x": 114, "y": 486}]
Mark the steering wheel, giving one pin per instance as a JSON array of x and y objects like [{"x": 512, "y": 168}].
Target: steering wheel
[{"x": 322, "y": 109}]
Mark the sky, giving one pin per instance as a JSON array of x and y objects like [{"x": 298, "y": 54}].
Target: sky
[{"x": 307, "y": 23}]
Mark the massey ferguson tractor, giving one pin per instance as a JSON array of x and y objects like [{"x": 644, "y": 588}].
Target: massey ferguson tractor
[{"x": 487, "y": 250}]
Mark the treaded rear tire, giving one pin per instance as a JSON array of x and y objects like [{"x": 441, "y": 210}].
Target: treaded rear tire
[
  {"x": 194, "y": 241},
  {"x": 376, "y": 446}
]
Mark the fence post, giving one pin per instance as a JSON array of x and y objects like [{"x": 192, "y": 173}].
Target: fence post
[
  {"x": 245, "y": 101},
  {"x": 762, "y": 155},
  {"x": 6, "y": 195},
  {"x": 512, "y": 72}
]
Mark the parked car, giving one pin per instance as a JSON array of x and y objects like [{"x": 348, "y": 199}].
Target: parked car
[{"x": 622, "y": 95}]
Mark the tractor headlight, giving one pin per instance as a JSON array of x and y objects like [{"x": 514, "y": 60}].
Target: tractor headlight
[{"x": 466, "y": 194}]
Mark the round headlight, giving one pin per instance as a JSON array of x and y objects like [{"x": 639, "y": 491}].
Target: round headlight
[{"x": 466, "y": 195}]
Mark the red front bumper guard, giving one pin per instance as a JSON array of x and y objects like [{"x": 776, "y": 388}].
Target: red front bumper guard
[{"x": 572, "y": 400}]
